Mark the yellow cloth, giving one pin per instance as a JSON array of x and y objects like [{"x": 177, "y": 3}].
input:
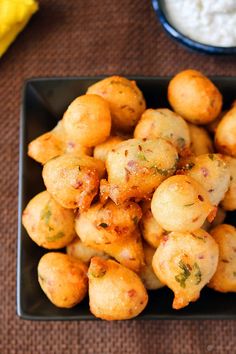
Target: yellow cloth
[{"x": 14, "y": 15}]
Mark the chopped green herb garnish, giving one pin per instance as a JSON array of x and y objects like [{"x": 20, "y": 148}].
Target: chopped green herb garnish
[
  {"x": 141, "y": 156},
  {"x": 56, "y": 237},
  {"x": 188, "y": 205},
  {"x": 98, "y": 273},
  {"x": 161, "y": 171},
  {"x": 135, "y": 220},
  {"x": 164, "y": 171},
  {"x": 211, "y": 156},
  {"x": 198, "y": 273},
  {"x": 183, "y": 276},
  {"x": 46, "y": 214},
  {"x": 181, "y": 142},
  {"x": 188, "y": 166},
  {"x": 103, "y": 224},
  {"x": 199, "y": 237}
]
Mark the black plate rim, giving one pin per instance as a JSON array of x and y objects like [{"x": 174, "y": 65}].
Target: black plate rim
[{"x": 19, "y": 311}]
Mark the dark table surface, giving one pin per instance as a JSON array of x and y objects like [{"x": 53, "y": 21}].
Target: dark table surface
[{"x": 78, "y": 38}]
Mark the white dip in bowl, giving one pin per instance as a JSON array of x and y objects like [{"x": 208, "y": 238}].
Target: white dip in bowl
[{"x": 210, "y": 22}]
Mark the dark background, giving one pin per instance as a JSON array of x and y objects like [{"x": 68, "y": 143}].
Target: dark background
[{"x": 77, "y": 38}]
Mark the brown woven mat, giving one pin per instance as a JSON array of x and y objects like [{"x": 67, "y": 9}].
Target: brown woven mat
[{"x": 90, "y": 37}]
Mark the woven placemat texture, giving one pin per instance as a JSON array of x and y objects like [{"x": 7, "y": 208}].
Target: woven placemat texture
[{"x": 90, "y": 37}]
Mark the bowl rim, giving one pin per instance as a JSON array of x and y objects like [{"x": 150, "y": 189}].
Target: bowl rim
[{"x": 185, "y": 40}]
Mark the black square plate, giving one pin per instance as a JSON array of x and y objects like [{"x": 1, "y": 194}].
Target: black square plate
[{"x": 44, "y": 101}]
